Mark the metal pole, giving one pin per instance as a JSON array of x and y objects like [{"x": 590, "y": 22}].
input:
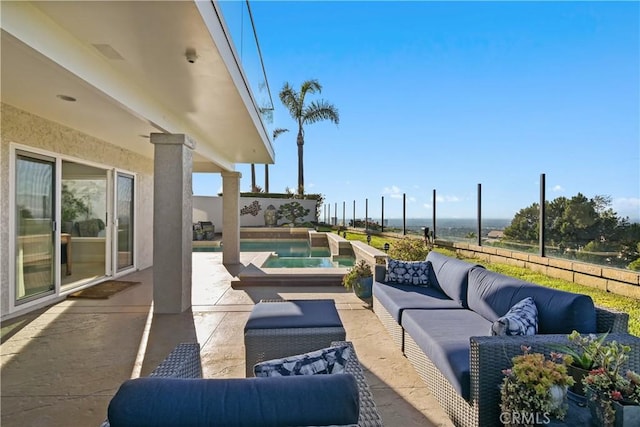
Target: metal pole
[
  {"x": 354, "y": 214},
  {"x": 542, "y": 213},
  {"x": 366, "y": 214},
  {"x": 434, "y": 215},
  {"x": 344, "y": 206},
  {"x": 479, "y": 214},
  {"x": 382, "y": 220},
  {"x": 335, "y": 212},
  {"x": 404, "y": 214},
  {"x": 329, "y": 206}
]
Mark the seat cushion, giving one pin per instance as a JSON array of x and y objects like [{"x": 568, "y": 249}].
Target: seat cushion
[
  {"x": 294, "y": 314},
  {"x": 395, "y": 298},
  {"x": 443, "y": 336},
  {"x": 450, "y": 276},
  {"x": 275, "y": 401},
  {"x": 492, "y": 295}
]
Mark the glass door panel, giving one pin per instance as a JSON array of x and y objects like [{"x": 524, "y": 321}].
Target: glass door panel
[
  {"x": 35, "y": 236},
  {"x": 124, "y": 221},
  {"x": 84, "y": 223}
]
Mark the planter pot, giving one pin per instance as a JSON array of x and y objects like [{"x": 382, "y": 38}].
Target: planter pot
[
  {"x": 578, "y": 374},
  {"x": 621, "y": 416},
  {"x": 362, "y": 288},
  {"x": 626, "y": 415}
]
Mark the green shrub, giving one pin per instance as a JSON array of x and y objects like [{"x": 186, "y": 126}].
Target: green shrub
[{"x": 409, "y": 249}]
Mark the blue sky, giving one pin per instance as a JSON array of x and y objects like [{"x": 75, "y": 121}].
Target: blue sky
[{"x": 449, "y": 95}]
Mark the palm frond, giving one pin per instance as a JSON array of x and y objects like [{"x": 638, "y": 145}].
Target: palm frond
[
  {"x": 310, "y": 86},
  {"x": 321, "y": 110},
  {"x": 290, "y": 99},
  {"x": 279, "y": 131}
]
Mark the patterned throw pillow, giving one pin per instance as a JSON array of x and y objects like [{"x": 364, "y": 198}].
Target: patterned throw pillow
[
  {"x": 408, "y": 272},
  {"x": 521, "y": 319},
  {"x": 330, "y": 360}
]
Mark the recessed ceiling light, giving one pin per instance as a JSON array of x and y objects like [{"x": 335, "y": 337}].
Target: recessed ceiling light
[{"x": 66, "y": 98}]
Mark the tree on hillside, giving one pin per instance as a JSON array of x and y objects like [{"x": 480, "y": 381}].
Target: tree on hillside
[
  {"x": 276, "y": 133},
  {"x": 305, "y": 114},
  {"x": 589, "y": 226}
]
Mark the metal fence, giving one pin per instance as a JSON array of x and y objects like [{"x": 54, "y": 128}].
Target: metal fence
[{"x": 579, "y": 228}]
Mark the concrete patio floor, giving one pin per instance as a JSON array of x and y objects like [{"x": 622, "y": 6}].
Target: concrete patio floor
[{"x": 62, "y": 365}]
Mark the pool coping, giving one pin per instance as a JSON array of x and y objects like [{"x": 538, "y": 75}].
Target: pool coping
[{"x": 255, "y": 274}]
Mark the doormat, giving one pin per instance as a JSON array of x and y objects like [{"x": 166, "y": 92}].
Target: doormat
[{"x": 103, "y": 290}]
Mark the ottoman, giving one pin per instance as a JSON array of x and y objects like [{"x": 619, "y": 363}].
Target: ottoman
[{"x": 279, "y": 328}]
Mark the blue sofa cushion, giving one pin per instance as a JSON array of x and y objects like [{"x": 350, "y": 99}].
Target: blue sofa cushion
[
  {"x": 443, "y": 336},
  {"x": 330, "y": 360},
  {"x": 492, "y": 294},
  {"x": 408, "y": 272},
  {"x": 450, "y": 276},
  {"x": 395, "y": 298},
  {"x": 521, "y": 319},
  {"x": 276, "y": 401},
  {"x": 294, "y": 314}
]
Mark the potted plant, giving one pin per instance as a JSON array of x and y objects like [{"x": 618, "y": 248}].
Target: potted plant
[
  {"x": 534, "y": 388},
  {"x": 360, "y": 279},
  {"x": 585, "y": 351},
  {"x": 613, "y": 397}
]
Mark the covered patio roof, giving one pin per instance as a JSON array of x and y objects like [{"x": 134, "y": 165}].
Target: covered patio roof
[{"x": 126, "y": 66}]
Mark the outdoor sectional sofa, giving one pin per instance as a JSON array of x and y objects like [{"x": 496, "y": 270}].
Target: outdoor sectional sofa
[
  {"x": 444, "y": 330},
  {"x": 175, "y": 394}
]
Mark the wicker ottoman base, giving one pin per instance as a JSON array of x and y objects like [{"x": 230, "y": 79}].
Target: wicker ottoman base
[{"x": 273, "y": 342}]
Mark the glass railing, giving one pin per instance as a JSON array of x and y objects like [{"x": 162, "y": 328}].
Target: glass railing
[
  {"x": 577, "y": 227},
  {"x": 240, "y": 24}
]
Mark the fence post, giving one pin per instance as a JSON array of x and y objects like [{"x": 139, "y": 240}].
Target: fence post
[
  {"x": 434, "y": 214},
  {"x": 479, "y": 214},
  {"x": 354, "y": 214},
  {"x": 404, "y": 214},
  {"x": 366, "y": 214},
  {"x": 382, "y": 219},
  {"x": 542, "y": 214}
]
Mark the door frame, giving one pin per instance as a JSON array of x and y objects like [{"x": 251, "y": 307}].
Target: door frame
[{"x": 110, "y": 241}]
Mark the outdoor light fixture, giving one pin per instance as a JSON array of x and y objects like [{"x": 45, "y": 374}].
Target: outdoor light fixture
[
  {"x": 386, "y": 247},
  {"x": 191, "y": 55}
]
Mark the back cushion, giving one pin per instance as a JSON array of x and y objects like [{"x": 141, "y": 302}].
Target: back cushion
[
  {"x": 491, "y": 295},
  {"x": 450, "y": 276}
]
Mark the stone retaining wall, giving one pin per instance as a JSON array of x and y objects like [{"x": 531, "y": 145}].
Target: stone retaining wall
[{"x": 621, "y": 282}]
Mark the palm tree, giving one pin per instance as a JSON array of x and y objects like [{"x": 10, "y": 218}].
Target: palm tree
[
  {"x": 306, "y": 114},
  {"x": 276, "y": 133}
]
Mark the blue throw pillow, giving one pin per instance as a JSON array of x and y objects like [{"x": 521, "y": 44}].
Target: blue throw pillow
[
  {"x": 408, "y": 272},
  {"x": 521, "y": 319},
  {"x": 330, "y": 360}
]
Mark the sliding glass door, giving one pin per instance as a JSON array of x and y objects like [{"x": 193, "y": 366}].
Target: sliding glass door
[
  {"x": 35, "y": 250},
  {"x": 124, "y": 221}
]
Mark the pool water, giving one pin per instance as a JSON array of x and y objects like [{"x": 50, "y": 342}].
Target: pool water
[
  {"x": 310, "y": 262},
  {"x": 290, "y": 254}
]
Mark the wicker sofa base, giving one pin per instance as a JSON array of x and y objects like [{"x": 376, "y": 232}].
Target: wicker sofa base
[
  {"x": 461, "y": 412},
  {"x": 390, "y": 324}
]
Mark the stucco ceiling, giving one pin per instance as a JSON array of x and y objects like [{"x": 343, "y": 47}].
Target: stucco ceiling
[{"x": 125, "y": 63}]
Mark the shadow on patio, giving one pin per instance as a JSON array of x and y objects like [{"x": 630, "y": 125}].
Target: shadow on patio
[{"x": 62, "y": 365}]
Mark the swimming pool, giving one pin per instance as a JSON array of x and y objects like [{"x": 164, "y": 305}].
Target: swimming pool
[{"x": 290, "y": 253}]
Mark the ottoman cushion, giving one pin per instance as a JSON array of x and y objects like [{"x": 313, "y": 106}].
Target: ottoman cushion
[{"x": 294, "y": 314}]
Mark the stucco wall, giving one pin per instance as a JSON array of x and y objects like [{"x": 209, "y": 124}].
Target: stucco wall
[{"x": 20, "y": 127}]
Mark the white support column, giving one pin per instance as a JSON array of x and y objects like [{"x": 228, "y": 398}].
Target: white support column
[
  {"x": 231, "y": 217},
  {"x": 172, "y": 222}
]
